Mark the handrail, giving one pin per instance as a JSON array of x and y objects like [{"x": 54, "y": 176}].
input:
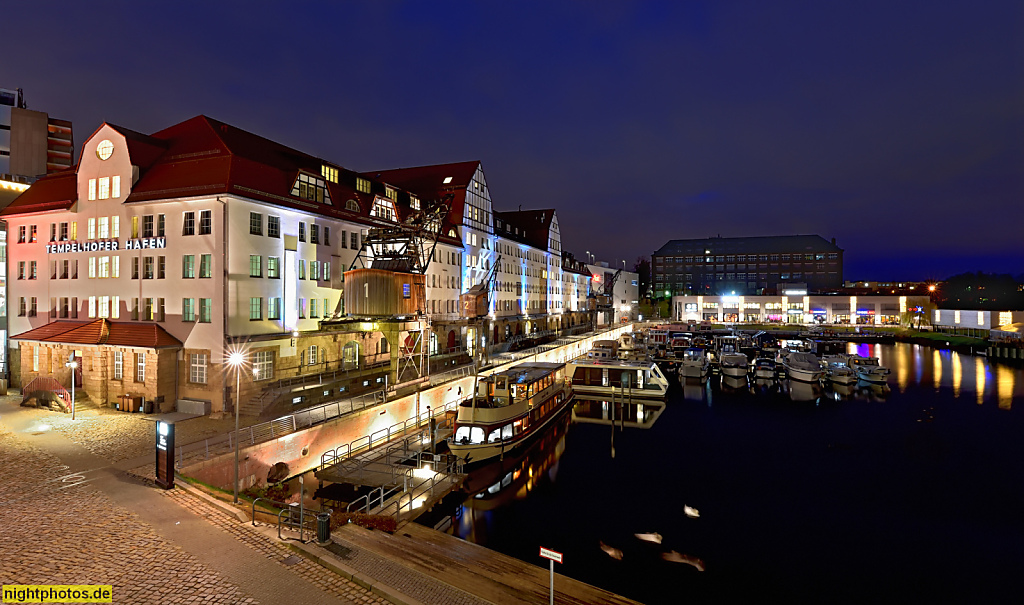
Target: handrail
[
  {"x": 279, "y": 505},
  {"x": 51, "y": 384}
]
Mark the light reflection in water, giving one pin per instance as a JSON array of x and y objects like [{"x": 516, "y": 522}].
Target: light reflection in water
[
  {"x": 937, "y": 368},
  {"x": 979, "y": 379},
  {"x": 957, "y": 374},
  {"x": 1005, "y": 377}
]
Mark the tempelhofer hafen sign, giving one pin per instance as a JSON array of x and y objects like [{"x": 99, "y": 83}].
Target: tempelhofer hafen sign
[{"x": 108, "y": 244}]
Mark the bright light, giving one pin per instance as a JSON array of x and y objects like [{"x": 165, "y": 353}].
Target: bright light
[
  {"x": 423, "y": 473},
  {"x": 931, "y": 288},
  {"x": 236, "y": 359}
]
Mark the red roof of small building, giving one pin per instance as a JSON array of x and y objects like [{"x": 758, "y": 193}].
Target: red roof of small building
[
  {"x": 57, "y": 191},
  {"x": 102, "y": 332}
]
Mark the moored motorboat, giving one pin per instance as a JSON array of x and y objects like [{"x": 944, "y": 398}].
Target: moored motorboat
[
  {"x": 869, "y": 370},
  {"x": 838, "y": 370},
  {"x": 733, "y": 364},
  {"x": 764, "y": 368},
  {"x": 611, "y": 376},
  {"x": 695, "y": 363},
  {"x": 804, "y": 367}
]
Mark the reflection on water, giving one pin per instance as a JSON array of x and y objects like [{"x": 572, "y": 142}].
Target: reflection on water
[
  {"x": 937, "y": 368},
  {"x": 1004, "y": 386},
  {"x": 640, "y": 414}
]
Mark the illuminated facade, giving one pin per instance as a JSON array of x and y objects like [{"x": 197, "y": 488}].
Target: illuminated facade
[{"x": 797, "y": 307}]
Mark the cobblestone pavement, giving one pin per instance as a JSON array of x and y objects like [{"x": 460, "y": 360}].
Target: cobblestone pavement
[
  {"x": 118, "y": 436},
  {"x": 271, "y": 549},
  {"x": 66, "y": 532}
]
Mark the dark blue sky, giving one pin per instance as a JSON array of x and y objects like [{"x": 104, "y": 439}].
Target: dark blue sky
[{"x": 895, "y": 127}]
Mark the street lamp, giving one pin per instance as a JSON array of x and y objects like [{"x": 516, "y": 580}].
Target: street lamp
[
  {"x": 236, "y": 359},
  {"x": 73, "y": 364}
]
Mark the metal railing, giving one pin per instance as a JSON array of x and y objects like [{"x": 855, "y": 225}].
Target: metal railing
[
  {"x": 48, "y": 384},
  {"x": 393, "y": 500},
  {"x": 267, "y": 431},
  {"x": 416, "y": 423}
]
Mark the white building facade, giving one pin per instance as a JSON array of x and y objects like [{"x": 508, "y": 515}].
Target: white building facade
[{"x": 798, "y": 308}]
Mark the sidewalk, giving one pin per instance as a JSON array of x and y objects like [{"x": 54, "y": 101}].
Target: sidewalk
[{"x": 72, "y": 518}]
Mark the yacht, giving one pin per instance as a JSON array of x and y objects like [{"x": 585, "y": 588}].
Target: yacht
[
  {"x": 695, "y": 363},
  {"x": 838, "y": 370},
  {"x": 868, "y": 369},
  {"x": 639, "y": 379},
  {"x": 509, "y": 408},
  {"x": 733, "y": 363},
  {"x": 803, "y": 367}
]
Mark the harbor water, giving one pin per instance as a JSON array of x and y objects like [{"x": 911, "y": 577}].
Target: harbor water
[{"x": 779, "y": 492}]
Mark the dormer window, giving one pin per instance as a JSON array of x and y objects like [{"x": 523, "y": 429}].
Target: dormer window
[
  {"x": 312, "y": 188},
  {"x": 362, "y": 185},
  {"x": 414, "y": 202},
  {"x": 329, "y": 172},
  {"x": 385, "y": 209},
  {"x": 353, "y": 206},
  {"x": 391, "y": 193}
]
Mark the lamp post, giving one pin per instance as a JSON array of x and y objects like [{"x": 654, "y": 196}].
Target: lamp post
[
  {"x": 236, "y": 359},
  {"x": 73, "y": 365}
]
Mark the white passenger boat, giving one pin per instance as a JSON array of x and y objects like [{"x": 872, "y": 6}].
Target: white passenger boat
[
  {"x": 695, "y": 363},
  {"x": 765, "y": 368},
  {"x": 508, "y": 409},
  {"x": 868, "y": 369},
  {"x": 733, "y": 364},
  {"x": 804, "y": 367},
  {"x": 605, "y": 377}
]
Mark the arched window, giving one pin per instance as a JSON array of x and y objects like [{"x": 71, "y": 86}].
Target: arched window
[
  {"x": 350, "y": 355},
  {"x": 352, "y": 205}
]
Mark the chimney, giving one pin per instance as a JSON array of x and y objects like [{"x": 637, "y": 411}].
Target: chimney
[{"x": 833, "y": 241}]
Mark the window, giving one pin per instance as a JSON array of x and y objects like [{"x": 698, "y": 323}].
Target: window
[
  {"x": 353, "y": 206},
  {"x": 188, "y": 223},
  {"x": 312, "y": 308},
  {"x": 205, "y": 222},
  {"x": 115, "y": 186},
  {"x": 327, "y": 236},
  {"x": 274, "y": 267},
  {"x": 263, "y": 365},
  {"x": 414, "y": 202},
  {"x": 21, "y": 269},
  {"x": 104, "y": 310},
  {"x": 274, "y": 226},
  {"x": 255, "y": 265},
  {"x": 314, "y": 269},
  {"x": 104, "y": 266},
  {"x": 135, "y": 227},
  {"x": 311, "y": 358},
  {"x": 21, "y": 234},
  {"x": 148, "y": 225},
  {"x": 329, "y": 172},
  {"x": 325, "y": 308},
  {"x": 255, "y": 223},
  {"x": 311, "y": 188},
  {"x": 302, "y": 308},
  {"x": 104, "y": 224},
  {"x": 205, "y": 265},
  {"x": 302, "y": 269},
  {"x": 64, "y": 306},
  {"x": 32, "y": 266},
  {"x": 188, "y": 310},
  {"x": 140, "y": 367},
  {"x": 391, "y": 193},
  {"x": 104, "y": 188},
  {"x": 302, "y": 231},
  {"x": 92, "y": 189},
  {"x": 118, "y": 365},
  {"x": 91, "y": 228},
  {"x": 384, "y": 208},
  {"x": 205, "y": 310},
  {"x": 161, "y": 267},
  {"x": 327, "y": 271},
  {"x": 255, "y": 308},
  {"x": 197, "y": 368},
  {"x": 115, "y": 227},
  {"x": 53, "y": 232},
  {"x": 149, "y": 312},
  {"x": 161, "y": 225},
  {"x": 92, "y": 306},
  {"x": 314, "y": 234},
  {"x": 355, "y": 241},
  {"x": 31, "y": 234},
  {"x": 22, "y": 307},
  {"x": 147, "y": 267},
  {"x": 115, "y": 306},
  {"x": 273, "y": 308},
  {"x": 362, "y": 185}
]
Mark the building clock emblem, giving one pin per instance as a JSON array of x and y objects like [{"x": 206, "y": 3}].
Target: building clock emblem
[{"x": 104, "y": 149}]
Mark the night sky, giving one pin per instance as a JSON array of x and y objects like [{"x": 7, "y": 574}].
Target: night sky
[{"x": 895, "y": 127}]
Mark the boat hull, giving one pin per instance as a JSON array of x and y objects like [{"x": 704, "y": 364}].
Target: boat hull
[
  {"x": 803, "y": 375},
  {"x": 658, "y": 392},
  {"x": 874, "y": 377},
  {"x": 735, "y": 371}
]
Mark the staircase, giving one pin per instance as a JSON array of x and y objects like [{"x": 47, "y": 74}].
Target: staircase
[{"x": 47, "y": 389}]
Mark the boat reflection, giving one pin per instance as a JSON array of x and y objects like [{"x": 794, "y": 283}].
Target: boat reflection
[
  {"x": 801, "y": 391},
  {"x": 637, "y": 414},
  {"x": 694, "y": 389}
]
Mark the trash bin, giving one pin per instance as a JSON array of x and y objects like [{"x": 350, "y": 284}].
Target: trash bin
[
  {"x": 147, "y": 406},
  {"x": 323, "y": 528}
]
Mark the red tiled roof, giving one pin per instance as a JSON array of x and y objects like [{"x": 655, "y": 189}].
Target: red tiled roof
[
  {"x": 427, "y": 182},
  {"x": 203, "y": 156},
  {"x": 54, "y": 192},
  {"x": 534, "y": 224},
  {"x": 102, "y": 332}
]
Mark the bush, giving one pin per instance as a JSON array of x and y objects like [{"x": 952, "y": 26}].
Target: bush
[
  {"x": 278, "y": 492},
  {"x": 381, "y": 522}
]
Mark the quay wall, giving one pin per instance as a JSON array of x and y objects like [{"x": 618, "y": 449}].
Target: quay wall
[{"x": 302, "y": 450}]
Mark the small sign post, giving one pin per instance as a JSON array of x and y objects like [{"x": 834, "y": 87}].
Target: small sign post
[
  {"x": 553, "y": 556},
  {"x": 165, "y": 454}
]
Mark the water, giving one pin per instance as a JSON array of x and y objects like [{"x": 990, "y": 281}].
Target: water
[{"x": 909, "y": 493}]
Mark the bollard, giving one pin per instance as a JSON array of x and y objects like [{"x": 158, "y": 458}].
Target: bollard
[{"x": 323, "y": 528}]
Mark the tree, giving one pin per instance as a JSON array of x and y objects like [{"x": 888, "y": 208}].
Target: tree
[
  {"x": 980, "y": 291},
  {"x": 642, "y": 268}
]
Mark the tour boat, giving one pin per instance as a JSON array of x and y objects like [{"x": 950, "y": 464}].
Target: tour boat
[
  {"x": 508, "y": 409},
  {"x": 642, "y": 379},
  {"x": 695, "y": 363},
  {"x": 868, "y": 369},
  {"x": 804, "y": 367},
  {"x": 764, "y": 368}
]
